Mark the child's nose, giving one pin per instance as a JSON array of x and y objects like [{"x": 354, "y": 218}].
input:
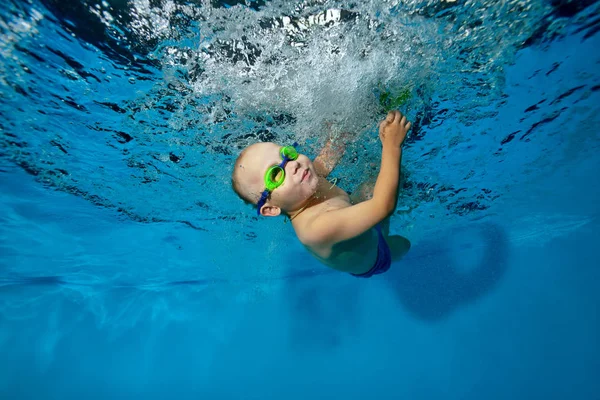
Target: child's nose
[{"x": 293, "y": 167}]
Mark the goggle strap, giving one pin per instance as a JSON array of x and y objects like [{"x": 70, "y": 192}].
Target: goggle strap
[{"x": 262, "y": 201}]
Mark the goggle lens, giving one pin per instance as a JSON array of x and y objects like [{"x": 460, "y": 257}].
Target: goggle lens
[
  {"x": 274, "y": 177},
  {"x": 289, "y": 152}
]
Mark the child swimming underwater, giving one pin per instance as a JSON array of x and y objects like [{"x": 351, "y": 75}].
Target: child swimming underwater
[{"x": 344, "y": 233}]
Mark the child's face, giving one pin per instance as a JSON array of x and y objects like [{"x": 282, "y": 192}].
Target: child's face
[{"x": 300, "y": 177}]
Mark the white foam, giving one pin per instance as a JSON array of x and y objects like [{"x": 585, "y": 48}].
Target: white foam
[{"x": 324, "y": 61}]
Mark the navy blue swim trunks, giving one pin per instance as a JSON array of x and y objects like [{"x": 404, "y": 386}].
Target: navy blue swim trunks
[{"x": 384, "y": 257}]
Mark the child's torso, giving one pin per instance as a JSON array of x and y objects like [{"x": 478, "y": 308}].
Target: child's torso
[{"x": 356, "y": 255}]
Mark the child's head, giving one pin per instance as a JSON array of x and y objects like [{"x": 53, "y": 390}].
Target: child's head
[{"x": 248, "y": 178}]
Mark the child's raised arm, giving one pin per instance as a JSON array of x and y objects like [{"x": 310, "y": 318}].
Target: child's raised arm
[
  {"x": 345, "y": 223},
  {"x": 330, "y": 156}
]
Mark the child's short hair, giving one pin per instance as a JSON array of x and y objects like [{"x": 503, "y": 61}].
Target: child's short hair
[{"x": 235, "y": 183}]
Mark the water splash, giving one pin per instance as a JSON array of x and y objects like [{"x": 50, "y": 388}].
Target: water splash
[
  {"x": 107, "y": 99},
  {"x": 328, "y": 61}
]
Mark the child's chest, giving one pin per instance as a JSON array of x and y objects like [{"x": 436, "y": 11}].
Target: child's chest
[{"x": 335, "y": 198}]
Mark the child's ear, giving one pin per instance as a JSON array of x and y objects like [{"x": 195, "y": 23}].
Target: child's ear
[{"x": 270, "y": 211}]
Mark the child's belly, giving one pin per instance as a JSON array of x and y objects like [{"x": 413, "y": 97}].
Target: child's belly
[{"x": 355, "y": 256}]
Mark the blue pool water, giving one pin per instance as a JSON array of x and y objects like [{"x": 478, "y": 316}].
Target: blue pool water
[{"x": 128, "y": 268}]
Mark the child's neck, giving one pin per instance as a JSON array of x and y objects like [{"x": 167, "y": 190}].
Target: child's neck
[{"x": 323, "y": 193}]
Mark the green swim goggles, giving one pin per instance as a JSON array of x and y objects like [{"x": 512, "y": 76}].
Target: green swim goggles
[{"x": 275, "y": 176}]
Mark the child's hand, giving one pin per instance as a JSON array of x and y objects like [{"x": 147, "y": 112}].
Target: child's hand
[{"x": 392, "y": 130}]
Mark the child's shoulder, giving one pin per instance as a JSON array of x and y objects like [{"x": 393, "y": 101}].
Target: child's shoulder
[{"x": 309, "y": 228}]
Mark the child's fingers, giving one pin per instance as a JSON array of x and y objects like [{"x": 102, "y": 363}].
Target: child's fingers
[
  {"x": 388, "y": 120},
  {"x": 382, "y": 126},
  {"x": 407, "y": 126}
]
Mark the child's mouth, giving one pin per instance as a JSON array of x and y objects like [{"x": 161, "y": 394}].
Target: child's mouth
[{"x": 304, "y": 175}]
